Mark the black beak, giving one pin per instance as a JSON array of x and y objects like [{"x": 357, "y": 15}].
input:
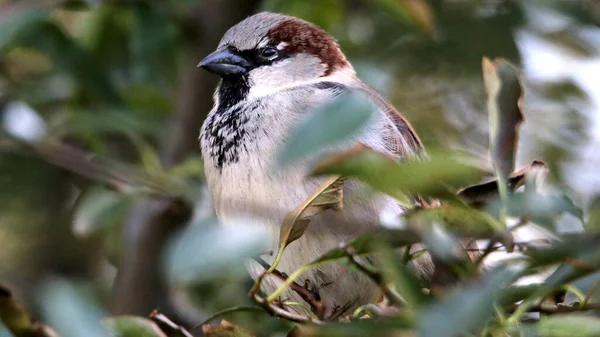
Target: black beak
[{"x": 225, "y": 62}]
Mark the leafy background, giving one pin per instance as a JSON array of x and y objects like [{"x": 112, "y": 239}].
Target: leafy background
[{"x": 103, "y": 209}]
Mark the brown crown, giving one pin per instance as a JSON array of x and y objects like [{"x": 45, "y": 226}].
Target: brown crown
[{"x": 304, "y": 37}]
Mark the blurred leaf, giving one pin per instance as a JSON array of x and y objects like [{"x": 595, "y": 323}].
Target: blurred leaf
[
  {"x": 76, "y": 5},
  {"x": 416, "y": 12},
  {"x": 397, "y": 327},
  {"x": 87, "y": 123},
  {"x": 70, "y": 310},
  {"x": 576, "y": 255},
  {"x": 205, "y": 250},
  {"x": 368, "y": 242},
  {"x": 67, "y": 55},
  {"x": 441, "y": 243},
  {"x": 18, "y": 19},
  {"x": 153, "y": 44},
  {"x": 18, "y": 321},
  {"x": 571, "y": 42},
  {"x": 146, "y": 99},
  {"x": 329, "y": 195},
  {"x": 225, "y": 329},
  {"x": 132, "y": 326},
  {"x": 504, "y": 90},
  {"x": 483, "y": 194},
  {"x": 106, "y": 34},
  {"x": 329, "y": 125},
  {"x": 324, "y": 13},
  {"x": 467, "y": 309},
  {"x": 588, "y": 284},
  {"x": 459, "y": 219},
  {"x": 397, "y": 274},
  {"x": 569, "y": 247},
  {"x": 511, "y": 295},
  {"x": 569, "y": 325},
  {"x": 98, "y": 209},
  {"x": 593, "y": 222},
  {"x": 148, "y": 154},
  {"x": 191, "y": 167},
  {"x": 435, "y": 177},
  {"x": 540, "y": 209}
]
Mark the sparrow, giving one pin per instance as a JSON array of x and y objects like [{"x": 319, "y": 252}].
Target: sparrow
[{"x": 276, "y": 69}]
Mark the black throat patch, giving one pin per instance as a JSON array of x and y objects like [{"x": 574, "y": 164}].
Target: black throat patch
[{"x": 225, "y": 129}]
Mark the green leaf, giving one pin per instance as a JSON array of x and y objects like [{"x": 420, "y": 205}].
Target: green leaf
[
  {"x": 436, "y": 177},
  {"x": 467, "y": 309},
  {"x": 368, "y": 243},
  {"x": 132, "y": 326},
  {"x": 569, "y": 325},
  {"x": 98, "y": 209},
  {"x": 459, "y": 219},
  {"x": 504, "y": 91},
  {"x": 328, "y": 126}
]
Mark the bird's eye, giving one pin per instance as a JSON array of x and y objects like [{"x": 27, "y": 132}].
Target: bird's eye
[{"x": 269, "y": 53}]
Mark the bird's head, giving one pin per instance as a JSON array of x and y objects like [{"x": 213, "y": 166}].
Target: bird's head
[{"x": 267, "y": 52}]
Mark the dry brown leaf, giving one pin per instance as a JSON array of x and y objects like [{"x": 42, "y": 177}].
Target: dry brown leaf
[
  {"x": 329, "y": 195},
  {"x": 505, "y": 95},
  {"x": 225, "y": 329},
  {"x": 482, "y": 194}
]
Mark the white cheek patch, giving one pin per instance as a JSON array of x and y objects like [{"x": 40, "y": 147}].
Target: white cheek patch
[
  {"x": 289, "y": 72},
  {"x": 282, "y": 45}
]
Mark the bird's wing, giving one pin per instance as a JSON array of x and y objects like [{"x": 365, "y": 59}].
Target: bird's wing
[{"x": 401, "y": 139}]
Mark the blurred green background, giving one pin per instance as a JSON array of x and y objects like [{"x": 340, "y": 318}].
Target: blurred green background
[{"x": 102, "y": 104}]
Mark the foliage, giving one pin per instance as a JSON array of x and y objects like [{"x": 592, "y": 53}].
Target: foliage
[{"x": 92, "y": 177}]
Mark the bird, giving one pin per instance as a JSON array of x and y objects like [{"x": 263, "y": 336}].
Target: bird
[{"x": 274, "y": 69}]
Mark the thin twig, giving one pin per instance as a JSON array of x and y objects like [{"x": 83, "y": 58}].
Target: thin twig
[
  {"x": 550, "y": 309},
  {"x": 167, "y": 326},
  {"x": 275, "y": 311},
  {"x": 227, "y": 311},
  {"x": 310, "y": 297}
]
